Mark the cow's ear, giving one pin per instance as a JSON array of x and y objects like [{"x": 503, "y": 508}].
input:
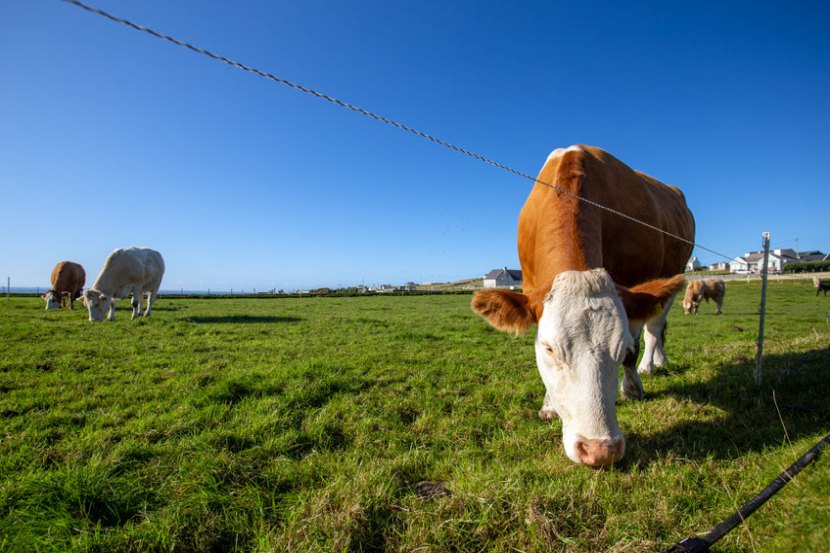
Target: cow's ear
[
  {"x": 504, "y": 310},
  {"x": 643, "y": 301}
]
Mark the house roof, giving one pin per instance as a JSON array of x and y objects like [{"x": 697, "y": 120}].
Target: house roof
[
  {"x": 812, "y": 256},
  {"x": 515, "y": 274},
  {"x": 785, "y": 254}
]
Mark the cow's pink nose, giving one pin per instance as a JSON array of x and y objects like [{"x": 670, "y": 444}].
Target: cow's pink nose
[{"x": 597, "y": 453}]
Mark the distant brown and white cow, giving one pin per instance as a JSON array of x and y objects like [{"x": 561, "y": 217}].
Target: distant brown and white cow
[
  {"x": 704, "y": 289},
  {"x": 592, "y": 281},
  {"x": 130, "y": 271},
  {"x": 68, "y": 279},
  {"x": 821, "y": 284}
]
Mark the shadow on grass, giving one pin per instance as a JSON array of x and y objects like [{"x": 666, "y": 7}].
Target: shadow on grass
[
  {"x": 243, "y": 319},
  {"x": 750, "y": 420}
]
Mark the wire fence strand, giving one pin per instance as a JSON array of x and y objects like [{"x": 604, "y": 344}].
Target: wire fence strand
[{"x": 382, "y": 119}]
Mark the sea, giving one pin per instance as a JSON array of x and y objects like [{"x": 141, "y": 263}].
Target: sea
[{"x": 163, "y": 292}]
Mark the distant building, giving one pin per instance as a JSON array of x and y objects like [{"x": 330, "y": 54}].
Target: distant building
[
  {"x": 739, "y": 265},
  {"x": 719, "y": 266},
  {"x": 814, "y": 255},
  {"x": 503, "y": 278},
  {"x": 753, "y": 262},
  {"x": 693, "y": 264}
]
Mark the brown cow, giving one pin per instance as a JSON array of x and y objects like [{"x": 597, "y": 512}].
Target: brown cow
[
  {"x": 593, "y": 280},
  {"x": 68, "y": 279},
  {"x": 704, "y": 289}
]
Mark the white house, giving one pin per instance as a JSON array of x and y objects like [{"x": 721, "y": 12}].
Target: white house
[
  {"x": 753, "y": 262},
  {"x": 693, "y": 264},
  {"x": 739, "y": 265},
  {"x": 719, "y": 266},
  {"x": 503, "y": 278}
]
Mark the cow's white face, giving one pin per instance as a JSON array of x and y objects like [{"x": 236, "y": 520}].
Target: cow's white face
[
  {"x": 582, "y": 339},
  {"x": 53, "y": 300},
  {"x": 97, "y": 304}
]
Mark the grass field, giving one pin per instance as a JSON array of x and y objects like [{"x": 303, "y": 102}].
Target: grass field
[{"x": 312, "y": 424}]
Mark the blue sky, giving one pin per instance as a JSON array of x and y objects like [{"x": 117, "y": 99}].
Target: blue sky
[{"x": 113, "y": 138}]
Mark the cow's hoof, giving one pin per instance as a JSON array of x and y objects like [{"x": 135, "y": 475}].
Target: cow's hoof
[
  {"x": 547, "y": 414},
  {"x": 632, "y": 390},
  {"x": 645, "y": 370}
]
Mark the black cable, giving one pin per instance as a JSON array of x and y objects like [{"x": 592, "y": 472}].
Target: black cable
[{"x": 699, "y": 545}]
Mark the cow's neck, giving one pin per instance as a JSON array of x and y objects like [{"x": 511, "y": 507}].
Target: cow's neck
[
  {"x": 104, "y": 283},
  {"x": 556, "y": 232}
]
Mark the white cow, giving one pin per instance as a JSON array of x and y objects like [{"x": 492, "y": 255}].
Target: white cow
[{"x": 130, "y": 271}]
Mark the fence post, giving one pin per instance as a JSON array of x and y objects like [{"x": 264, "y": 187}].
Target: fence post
[{"x": 759, "y": 354}]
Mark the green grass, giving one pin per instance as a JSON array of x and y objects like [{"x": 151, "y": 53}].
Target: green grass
[{"x": 308, "y": 424}]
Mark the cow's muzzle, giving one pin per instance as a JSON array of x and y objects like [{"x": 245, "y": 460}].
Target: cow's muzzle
[{"x": 599, "y": 453}]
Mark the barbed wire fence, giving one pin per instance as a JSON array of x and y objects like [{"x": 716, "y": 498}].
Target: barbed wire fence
[{"x": 380, "y": 118}]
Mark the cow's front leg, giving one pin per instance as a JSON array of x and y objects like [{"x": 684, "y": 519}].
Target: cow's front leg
[
  {"x": 547, "y": 412},
  {"x": 111, "y": 315},
  {"x": 654, "y": 334},
  {"x": 137, "y": 297},
  {"x": 631, "y": 386},
  {"x": 151, "y": 299}
]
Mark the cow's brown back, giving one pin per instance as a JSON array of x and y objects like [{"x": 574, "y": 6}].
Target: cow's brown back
[
  {"x": 558, "y": 232},
  {"x": 68, "y": 276}
]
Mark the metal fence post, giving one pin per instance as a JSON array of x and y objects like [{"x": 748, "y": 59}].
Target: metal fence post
[{"x": 759, "y": 354}]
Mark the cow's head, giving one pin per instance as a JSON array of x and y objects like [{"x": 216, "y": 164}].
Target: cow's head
[
  {"x": 97, "y": 304},
  {"x": 53, "y": 299},
  {"x": 690, "y": 306},
  {"x": 691, "y": 300},
  {"x": 581, "y": 341}
]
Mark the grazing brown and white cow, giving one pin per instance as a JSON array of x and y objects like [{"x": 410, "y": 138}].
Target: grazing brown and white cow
[
  {"x": 68, "y": 279},
  {"x": 130, "y": 271},
  {"x": 592, "y": 281},
  {"x": 821, "y": 284},
  {"x": 704, "y": 289}
]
